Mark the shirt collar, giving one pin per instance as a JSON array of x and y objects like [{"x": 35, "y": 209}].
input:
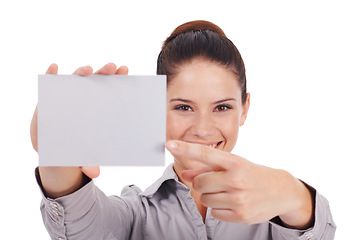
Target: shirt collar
[{"x": 169, "y": 174}]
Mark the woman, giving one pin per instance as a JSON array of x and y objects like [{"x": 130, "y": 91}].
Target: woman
[{"x": 208, "y": 193}]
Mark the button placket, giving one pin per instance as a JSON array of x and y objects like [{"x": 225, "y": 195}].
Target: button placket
[{"x": 55, "y": 213}]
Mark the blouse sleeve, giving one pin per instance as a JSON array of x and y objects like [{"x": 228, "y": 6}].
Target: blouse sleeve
[
  {"x": 323, "y": 229},
  {"x": 89, "y": 214}
]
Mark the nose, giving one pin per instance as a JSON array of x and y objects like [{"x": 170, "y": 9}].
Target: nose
[{"x": 203, "y": 125}]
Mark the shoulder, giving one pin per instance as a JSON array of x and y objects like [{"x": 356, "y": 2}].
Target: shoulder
[{"x": 130, "y": 196}]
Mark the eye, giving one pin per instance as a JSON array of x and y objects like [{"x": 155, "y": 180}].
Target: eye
[
  {"x": 183, "y": 108},
  {"x": 222, "y": 107}
]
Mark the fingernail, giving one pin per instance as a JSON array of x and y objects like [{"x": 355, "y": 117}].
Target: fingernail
[{"x": 172, "y": 145}]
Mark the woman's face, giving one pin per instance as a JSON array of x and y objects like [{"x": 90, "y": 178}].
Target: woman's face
[{"x": 204, "y": 106}]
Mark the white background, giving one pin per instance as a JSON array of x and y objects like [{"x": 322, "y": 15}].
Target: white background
[{"x": 302, "y": 72}]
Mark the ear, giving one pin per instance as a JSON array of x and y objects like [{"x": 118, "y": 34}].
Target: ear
[{"x": 245, "y": 108}]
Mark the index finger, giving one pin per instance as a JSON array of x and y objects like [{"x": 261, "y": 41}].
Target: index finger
[
  {"x": 53, "y": 68},
  {"x": 215, "y": 159},
  {"x": 108, "y": 69},
  {"x": 84, "y": 71}
]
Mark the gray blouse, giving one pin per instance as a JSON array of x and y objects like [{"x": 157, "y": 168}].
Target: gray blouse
[{"x": 165, "y": 210}]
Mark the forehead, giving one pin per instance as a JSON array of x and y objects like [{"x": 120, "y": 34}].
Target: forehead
[{"x": 204, "y": 79}]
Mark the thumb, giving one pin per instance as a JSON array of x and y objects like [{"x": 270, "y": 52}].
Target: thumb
[
  {"x": 33, "y": 127},
  {"x": 91, "y": 172}
]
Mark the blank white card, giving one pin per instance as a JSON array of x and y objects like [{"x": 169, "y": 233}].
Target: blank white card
[{"x": 101, "y": 120}]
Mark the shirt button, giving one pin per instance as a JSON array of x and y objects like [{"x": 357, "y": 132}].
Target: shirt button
[
  {"x": 54, "y": 206},
  {"x": 308, "y": 235},
  {"x": 56, "y": 212},
  {"x": 54, "y": 218}
]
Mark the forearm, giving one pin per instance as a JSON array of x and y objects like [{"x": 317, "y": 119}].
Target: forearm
[
  {"x": 61, "y": 181},
  {"x": 89, "y": 214}
]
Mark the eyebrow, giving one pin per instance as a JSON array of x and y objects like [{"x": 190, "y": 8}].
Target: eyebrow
[
  {"x": 190, "y": 101},
  {"x": 224, "y": 100},
  {"x": 181, "y": 100}
]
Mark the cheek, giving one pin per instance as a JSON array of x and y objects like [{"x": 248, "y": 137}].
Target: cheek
[
  {"x": 229, "y": 129},
  {"x": 176, "y": 127}
]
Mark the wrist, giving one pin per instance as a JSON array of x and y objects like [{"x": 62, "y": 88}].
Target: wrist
[
  {"x": 60, "y": 181},
  {"x": 302, "y": 216}
]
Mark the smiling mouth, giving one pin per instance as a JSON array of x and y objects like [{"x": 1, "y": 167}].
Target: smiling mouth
[{"x": 215, "y": 145}]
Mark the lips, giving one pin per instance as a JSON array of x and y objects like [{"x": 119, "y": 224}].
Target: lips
[{"x": 212, "y": 145}]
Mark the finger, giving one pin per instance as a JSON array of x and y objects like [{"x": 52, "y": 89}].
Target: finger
[
  {"x": 53, "y": 68},
  {"x": 242, "y": 216},
  {"x": 226, "y": 215},
  {"x": 108, "y": 69},
  {"x": 84, "y": 71},
  {"x": 188, "y": 175},
  {"x": 91, "y": 172},
  {"x": 215, "y": 159},
  {"x": 210, "y": 182},
  {"x": 216, "y": 200},
  {"x": 123, "y": 70}
]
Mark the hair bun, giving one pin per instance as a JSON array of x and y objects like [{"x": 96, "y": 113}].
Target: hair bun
[{"x": 198, "y": 25}]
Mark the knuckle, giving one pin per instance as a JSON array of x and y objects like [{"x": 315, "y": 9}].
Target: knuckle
[
  {"x": 236, "y": 161},
  {"x": 243, "y": 214},
  {"x": 203, "y": 152},
  {"x": 205, "y": 199},
  {"x": 232, "y": 158},
  {"x": 242, "y": 200},
  {"x": 236, "y": 181},
  {"x": 239, "y": 198},
  {"x": 197, "y": 184}
]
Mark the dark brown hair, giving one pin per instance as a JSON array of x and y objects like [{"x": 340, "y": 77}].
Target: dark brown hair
[{"x": 200, "y": 39}]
